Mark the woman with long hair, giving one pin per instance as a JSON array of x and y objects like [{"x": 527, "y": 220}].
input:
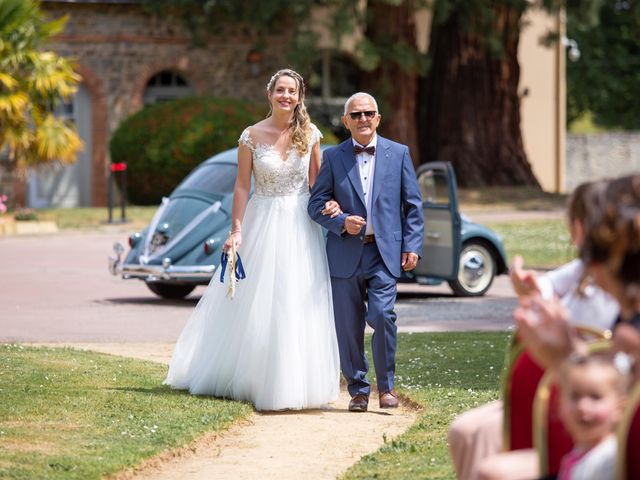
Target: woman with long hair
[{"x": 274, "y": 343}]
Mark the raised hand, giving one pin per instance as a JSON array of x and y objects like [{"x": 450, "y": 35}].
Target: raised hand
[
  {"x": 543, "y": 326},
  {"x": 524, "y": 281}
]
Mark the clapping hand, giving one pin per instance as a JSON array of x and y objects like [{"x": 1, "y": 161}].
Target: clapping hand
[
  {"x": 332, "y": 208},
  {"x": 543, "y": 326},
  {"x": 524, "y": 281}
]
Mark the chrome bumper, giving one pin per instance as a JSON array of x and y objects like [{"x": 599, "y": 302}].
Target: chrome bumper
[{"x": 157, "y": 273}]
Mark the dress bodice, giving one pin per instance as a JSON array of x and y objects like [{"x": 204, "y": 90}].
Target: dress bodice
[{"x": 274, "y": 176}]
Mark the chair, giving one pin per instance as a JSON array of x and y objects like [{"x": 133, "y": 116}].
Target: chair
[
  {"x": 551, "y": 440},
  {"x": 519, "y": 387},
  {"x": 628, "y": 461}
]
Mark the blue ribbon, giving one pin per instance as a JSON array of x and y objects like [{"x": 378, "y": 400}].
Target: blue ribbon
[{"x": 239, "y": 273}]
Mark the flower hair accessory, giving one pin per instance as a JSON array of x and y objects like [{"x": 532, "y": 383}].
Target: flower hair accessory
[{"x": 236, "y": 270}]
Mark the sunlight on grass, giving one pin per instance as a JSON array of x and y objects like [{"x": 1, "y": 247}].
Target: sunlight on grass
[
  {"x": 542, "y": 243},
  {"x": 71, "y": 414},
  {"x": 444, "y": 373},
  {"x": 94, "y": 217}
]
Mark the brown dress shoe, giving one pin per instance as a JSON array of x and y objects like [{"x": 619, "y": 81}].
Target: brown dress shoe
[
  {"x": 359, "y": 403},
  {"x": 389, "y": 399}
]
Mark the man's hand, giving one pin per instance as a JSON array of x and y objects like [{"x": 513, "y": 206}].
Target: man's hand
[
  {"x": 332, "y": 208},
  {"x": 353, "y": 224},
  {"x": 409, "y": 261},
  {"x": 524, "y": 281}
]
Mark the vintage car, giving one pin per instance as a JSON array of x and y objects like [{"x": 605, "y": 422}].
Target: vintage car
[{"x": 181, "y": 247}]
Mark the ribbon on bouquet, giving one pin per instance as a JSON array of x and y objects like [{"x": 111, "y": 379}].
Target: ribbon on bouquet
[{"x": 236, "y": 270}]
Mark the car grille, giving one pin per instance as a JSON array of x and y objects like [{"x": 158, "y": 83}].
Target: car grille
[{"x": 158, "y": 240}]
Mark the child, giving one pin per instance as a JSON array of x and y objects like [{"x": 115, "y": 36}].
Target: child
[{"x": 592, "y": 394}]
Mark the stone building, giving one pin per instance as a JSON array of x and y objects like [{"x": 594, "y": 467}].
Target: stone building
[{"x": 128, "y": 57}]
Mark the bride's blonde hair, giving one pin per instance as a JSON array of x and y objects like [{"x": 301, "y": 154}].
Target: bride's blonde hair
[{"x": 300, "y": 123}]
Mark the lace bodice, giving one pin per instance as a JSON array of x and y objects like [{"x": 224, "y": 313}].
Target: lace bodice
[{"x": 274, "y": 176}]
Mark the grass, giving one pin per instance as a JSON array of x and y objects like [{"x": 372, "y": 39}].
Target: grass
[
  {"x": 68, "y": 414},
  {"x": 95, "y": 217},
  {"x": 508, "y": 198},
  {"x": 445, "y": 374},
  {"x": 543, "y": 243}
]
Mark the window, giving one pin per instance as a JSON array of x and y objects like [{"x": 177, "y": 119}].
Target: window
[{"x": 166, "y": 85}]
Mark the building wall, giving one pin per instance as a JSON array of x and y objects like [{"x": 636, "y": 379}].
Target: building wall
[
  {"x": 601, "y": 155},
  {"x": 118, "y": 48},
  {"x": 542, "y": 90}
]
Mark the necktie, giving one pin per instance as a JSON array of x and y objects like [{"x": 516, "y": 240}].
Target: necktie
[{"x": 358, "y": 149}]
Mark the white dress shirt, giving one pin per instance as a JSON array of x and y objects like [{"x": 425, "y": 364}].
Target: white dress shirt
[{"x": 366, "y": 167}]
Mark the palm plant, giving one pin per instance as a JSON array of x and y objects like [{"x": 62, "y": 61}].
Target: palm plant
[{"x": 32, "y": 83}]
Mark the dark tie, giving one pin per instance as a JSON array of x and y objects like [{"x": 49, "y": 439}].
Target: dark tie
[{"x": 370, "y": 150}]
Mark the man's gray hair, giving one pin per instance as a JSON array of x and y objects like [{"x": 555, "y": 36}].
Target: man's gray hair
[{"x": 358, "y": 95}]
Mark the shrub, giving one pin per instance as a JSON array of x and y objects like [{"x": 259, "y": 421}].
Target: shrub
[{"x": 162, "y": 143}]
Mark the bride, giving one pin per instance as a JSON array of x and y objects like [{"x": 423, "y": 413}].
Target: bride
[{"x": 274, "y": 344}]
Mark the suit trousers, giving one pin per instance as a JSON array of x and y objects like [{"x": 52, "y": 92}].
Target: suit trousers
[{"x": 373, "y": 282}]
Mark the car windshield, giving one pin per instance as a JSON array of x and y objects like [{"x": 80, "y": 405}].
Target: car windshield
[{"x": 212, "y": 178}]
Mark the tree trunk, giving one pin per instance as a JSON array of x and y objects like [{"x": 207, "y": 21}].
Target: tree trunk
[
  {"x": 394, "y": 87},
  {"x": 470, "y": 109}
]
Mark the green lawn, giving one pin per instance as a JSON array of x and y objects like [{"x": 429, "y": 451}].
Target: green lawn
[
  {"x": 542, "y": 243},
  {"x": 68, "y": 414},
  {"x": 71, "y": 414},
  {"x": 444, "y": 373},
  {"x": 94, "y": 217}
]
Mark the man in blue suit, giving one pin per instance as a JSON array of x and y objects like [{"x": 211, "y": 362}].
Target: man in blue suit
[{"x": 378, "y": 233}]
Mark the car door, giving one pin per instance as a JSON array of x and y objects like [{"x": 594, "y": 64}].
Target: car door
[{"x": 442, "y": 222}]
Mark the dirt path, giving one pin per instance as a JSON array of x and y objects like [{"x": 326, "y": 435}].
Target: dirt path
[{"x": 316, "y": 444}]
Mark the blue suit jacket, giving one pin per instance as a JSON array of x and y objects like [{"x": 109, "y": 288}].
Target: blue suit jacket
[{"x": 396, "y": 205}]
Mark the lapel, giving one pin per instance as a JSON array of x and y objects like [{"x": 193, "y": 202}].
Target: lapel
[
  {"x": 351, "y": 167},
  {"x": 383, "y": 163}
]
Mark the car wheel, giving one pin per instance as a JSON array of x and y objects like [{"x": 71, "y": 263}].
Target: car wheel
[
  {"x": 476, "y": 271},
  {"x": 169, "y": 290}
]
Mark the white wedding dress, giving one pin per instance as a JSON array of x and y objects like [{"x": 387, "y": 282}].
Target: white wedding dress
[{"x": 274, "y": 344}]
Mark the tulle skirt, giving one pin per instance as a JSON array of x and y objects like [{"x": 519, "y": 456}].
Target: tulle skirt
[{"x": 274, "y": 344}]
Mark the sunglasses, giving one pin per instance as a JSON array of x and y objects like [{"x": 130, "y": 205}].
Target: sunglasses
[{"x": 368, "y": 114}]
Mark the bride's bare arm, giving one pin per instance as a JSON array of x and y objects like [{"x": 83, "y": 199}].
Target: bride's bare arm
[
  {"x": 331, "y": 207},
  {"x": 240, "y": 196},
  {"x": 314, "y": 164}
]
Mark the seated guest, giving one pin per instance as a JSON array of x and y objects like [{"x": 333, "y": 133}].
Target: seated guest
[
  {"x": 611, "y": 253},
  {"x": 592, "y": 394},
  {"x": 477, "y": 433}
]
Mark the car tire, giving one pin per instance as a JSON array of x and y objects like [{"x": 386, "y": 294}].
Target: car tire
[
  {"x": 476, "y": 270},
  {"x": 169, "y": 290}
]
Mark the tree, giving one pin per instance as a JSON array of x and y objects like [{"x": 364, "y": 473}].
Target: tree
[
  {"x": 606, "y": 79},
  {"x": 470, "y": 107},
  {"x": 459, "y": 102},
  {"x": 32, "y": 83}
]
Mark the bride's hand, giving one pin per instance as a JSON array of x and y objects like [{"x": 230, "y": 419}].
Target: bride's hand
[
  {"x": 235, "y": 237},
  {"x": 332, "y": 208}
]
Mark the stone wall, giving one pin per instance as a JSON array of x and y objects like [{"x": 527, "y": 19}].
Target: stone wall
[
  {"x": 600, "y": 155},
  {"x": 119, "y": 47}
]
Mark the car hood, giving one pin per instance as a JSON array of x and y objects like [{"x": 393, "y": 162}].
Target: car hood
[{"x": 181, "y": 223}]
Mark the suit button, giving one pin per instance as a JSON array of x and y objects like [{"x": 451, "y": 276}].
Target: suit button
[{"x": 361, "y": 238}]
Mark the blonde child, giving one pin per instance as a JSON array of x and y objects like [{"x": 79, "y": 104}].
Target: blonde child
[{"x": 592, "y": 393}]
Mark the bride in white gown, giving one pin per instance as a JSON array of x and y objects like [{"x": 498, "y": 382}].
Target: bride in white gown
[{"x": 274, "y": 344}]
